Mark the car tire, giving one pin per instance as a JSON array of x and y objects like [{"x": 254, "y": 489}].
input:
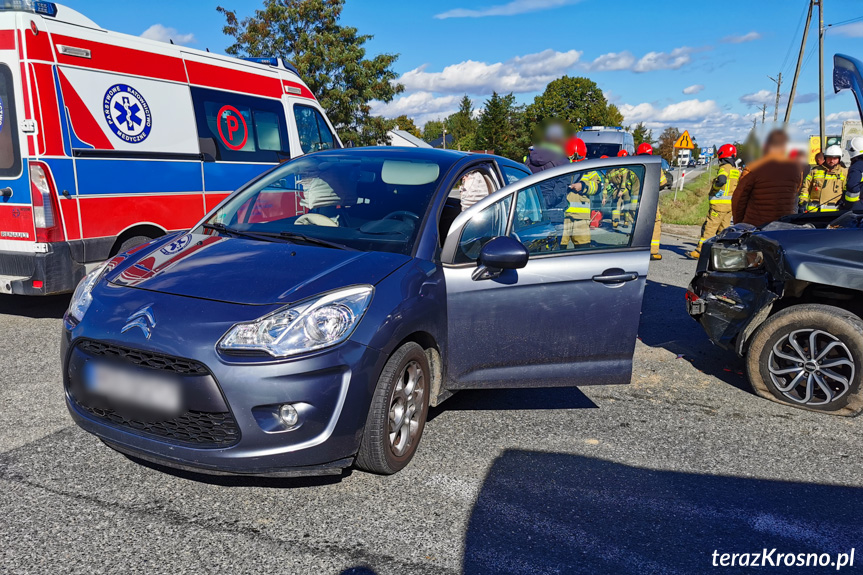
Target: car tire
[
  {"x": 778, "y": 371},
  {"x": 132, "y": 242},
  {"x": 398, "y": 412}
]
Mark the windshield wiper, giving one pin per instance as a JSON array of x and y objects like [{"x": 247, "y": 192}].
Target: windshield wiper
[
  {"x": 295, "y": 236},
  {"x": 223, "y": 229}
]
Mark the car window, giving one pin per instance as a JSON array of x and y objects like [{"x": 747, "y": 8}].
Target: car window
[
  {"x": 513, "y": 175},
  {"x": 244, "y": 128},
  {"x": 588, "y": 210},
  {"x": 489, "y": 223},
  {"x": 313, "y": 130},
  {"x": 10, "y": 156}
]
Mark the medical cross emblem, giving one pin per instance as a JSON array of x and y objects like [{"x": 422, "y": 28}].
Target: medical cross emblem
[{"x": 127, "y": 113}]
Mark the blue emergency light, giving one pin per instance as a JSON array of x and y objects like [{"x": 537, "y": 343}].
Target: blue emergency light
[
  {"x": 35, "y": 6},
  {"x": 267, "y": 61},
  {"x": 601, "y": 128}
]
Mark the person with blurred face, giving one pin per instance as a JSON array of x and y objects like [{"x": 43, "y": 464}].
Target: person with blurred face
[
  {"x": 646, "y": 148},
  {"x": 768, "y": 187}
]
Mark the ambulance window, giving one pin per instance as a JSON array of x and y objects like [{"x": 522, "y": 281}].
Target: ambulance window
[
  {"x": 313, "y": 130},
  {"x": 10, "y": 158},
  {"x": 244, "y": 128}
]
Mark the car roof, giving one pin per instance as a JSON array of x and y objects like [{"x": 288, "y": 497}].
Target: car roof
[{"x": 431, "y": 154}]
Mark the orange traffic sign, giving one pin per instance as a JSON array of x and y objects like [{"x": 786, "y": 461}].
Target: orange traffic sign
[{"x": 684, "y": 141}]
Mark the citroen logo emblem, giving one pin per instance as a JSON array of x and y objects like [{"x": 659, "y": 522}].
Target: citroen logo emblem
[{"x": 142, "y": 319}]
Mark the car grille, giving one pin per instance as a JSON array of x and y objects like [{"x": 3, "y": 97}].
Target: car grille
[
  {"x": 198, "y": 429},
  {"x": 144, "y": 358}
]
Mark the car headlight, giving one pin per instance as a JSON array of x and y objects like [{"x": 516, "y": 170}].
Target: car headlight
[
  {"x": 307, "y": 326},
  {"x": 734, "y": 259},
  {"x": 82, "y": 299}
]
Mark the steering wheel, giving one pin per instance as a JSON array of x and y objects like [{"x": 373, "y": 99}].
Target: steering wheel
[{"x": 401, "y": 214}]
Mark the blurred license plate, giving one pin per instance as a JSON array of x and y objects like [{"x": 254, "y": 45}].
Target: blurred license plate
[{"x": 134, "y": 389}]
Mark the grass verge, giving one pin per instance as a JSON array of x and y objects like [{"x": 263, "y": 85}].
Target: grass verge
[{"x": 691, "y": 205}]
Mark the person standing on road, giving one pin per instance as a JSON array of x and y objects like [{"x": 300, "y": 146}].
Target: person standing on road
[
  {"x": 546, "y": 155},
  {"x": 623, "y": 192},
  {"x": 854, "y": 183},
  {"x": 647, "y": 149},
  {"x": 768, "y": 187},
  {"x": 824, "y": 187},
  {"x": 576, "y": 217},
  {"x": 719, "y": 214}
]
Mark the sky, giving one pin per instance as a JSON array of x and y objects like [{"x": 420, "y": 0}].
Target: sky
[{"x": 703, "y": 67}]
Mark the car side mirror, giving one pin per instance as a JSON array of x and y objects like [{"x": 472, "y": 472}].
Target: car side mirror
[{"x": 499, "y": 254}]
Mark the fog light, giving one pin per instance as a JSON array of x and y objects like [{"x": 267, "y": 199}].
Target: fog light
[{"x": 288, "y": 414}]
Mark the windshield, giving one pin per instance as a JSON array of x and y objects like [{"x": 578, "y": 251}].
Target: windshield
[
  {"x": 599, "y": 150},
  {"x": 366, "y": 200}
]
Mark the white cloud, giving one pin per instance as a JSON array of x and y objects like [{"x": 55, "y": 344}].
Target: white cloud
[
  {"x": 742, "y": 38},
  {"x": 613, "y": 61},
  {"x": 509, "y": 9},
  {"x": 839, "y": 117},
  {"x": 758, "y": 98},
  {"x": 693, "y": 89},
  {"x": 680, "y": 111},
  {"x": 421, "y": 106},
  {"x": 673, "y": 60},
  {"x": 522, "y": 74},
  {"x": 853, "y": 30},
  {"x": 165, "y": 34}
]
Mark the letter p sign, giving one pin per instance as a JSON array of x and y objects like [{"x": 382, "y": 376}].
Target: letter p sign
[{"x": 233, "y": 130}]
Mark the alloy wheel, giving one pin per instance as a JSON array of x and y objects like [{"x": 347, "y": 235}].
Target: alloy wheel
[
  {"x": 811, "y": 367},
  {"x": 406, "y": 409}
]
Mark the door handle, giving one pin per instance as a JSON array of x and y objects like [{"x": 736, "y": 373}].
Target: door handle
[
  {"x": 6, "y": 193},
  {"x": 615, "y": 276}
]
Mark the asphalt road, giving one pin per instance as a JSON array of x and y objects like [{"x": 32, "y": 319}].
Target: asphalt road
[{"x": 646, "y": 478}]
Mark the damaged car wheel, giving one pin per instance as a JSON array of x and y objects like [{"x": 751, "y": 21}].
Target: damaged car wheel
[{"x": 809, "y": 356}]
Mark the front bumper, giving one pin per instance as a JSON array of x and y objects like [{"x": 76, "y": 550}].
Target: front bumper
[
  {"x": 57, "y": 269},
  {"x": 332, "y": 389}
]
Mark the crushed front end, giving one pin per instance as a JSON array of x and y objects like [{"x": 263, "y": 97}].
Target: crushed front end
[{"x": 739, "y": 276}]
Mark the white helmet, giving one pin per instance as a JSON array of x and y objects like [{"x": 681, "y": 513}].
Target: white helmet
[
  {"x": 833, "y": 151},
  {"x": 855, "y": 146}
]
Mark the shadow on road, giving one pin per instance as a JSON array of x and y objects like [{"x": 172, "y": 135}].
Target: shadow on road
[
  {"x": 555, "y": 513},
  {"x": 514, "y": 399},
  {"x": 36, "y": 307},
  {"x": 666, "y": 324}
]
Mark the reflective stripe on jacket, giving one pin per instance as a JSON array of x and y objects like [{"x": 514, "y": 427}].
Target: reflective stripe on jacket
[
  {"x": 823, "y": 186},
  {"x": 721, "y": 194}
]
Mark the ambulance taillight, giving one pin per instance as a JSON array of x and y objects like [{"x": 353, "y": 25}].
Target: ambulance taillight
[{"x": 46, "y": 211}]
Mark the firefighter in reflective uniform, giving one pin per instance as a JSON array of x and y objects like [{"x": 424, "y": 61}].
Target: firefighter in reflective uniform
[
  {"x": 623, "y": 189},
  {"x": 824, "y": 187},
  {"x": 719, "y": 215},
  {"x": 854, "y": 182},
  {"x": 646, "y": 148},
  {"x": 576, "y": 217}
]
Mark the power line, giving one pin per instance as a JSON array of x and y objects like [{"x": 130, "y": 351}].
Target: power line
[{"x": 794, "y": 40}]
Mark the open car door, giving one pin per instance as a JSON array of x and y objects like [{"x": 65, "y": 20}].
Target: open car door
[
  {"x": 848, "y": 74},
  {"x": 570, "y": 316}
]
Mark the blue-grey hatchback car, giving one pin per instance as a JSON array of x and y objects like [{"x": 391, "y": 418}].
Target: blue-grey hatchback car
[{"x": 308, "y": 322}]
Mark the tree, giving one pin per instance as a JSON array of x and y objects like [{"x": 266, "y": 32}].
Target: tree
[
  {"x": 432, "y": 130},
  {"x": 501, "y": 127},
  {"x": 641, "y": 134},
  {"x": 666, "y": 143},
  {"x": 462, "y": 125},
  {"x": 331, "y": 58},
  {"x": 407, "y": 124},
  {"x": 578, "y": 101}
]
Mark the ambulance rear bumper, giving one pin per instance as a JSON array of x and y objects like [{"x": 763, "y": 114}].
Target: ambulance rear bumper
[{"x": 57, "y": 271}]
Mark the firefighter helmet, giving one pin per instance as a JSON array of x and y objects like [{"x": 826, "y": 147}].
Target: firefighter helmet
[
  {"x": 855, "y": 147},
  {"x": 622, "y": 153},
  {"x": 602, "y": 157},
  {"x": 644, "y": 148},
  {"x": 576, "y": 149},
  {"x": 833, "y": 151},
  {"x": 726, "y": 151}
]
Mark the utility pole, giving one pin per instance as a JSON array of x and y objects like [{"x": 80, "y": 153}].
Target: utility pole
[
  {"x": 821, "y": 69},
  {"x": 763, "y": 112},
  {"x": 778, "y": 81},
  {"x": 799, "y": 62}
]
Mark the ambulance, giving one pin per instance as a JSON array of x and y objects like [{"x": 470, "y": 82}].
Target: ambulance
[{"x": 109, "y": 140}]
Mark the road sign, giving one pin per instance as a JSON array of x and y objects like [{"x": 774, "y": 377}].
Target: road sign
[
  {"x": 707, "y": 151},
  {"x": 684, "y": 141}
]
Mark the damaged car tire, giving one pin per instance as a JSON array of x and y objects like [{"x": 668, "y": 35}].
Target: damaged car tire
[{"x": 809, "y": 356}]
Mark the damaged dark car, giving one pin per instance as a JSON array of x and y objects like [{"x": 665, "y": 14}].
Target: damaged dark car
[{"x": 788, "y": 298}]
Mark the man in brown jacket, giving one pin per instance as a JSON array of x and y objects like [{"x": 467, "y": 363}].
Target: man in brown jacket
[{"x": 768, "y": 187}]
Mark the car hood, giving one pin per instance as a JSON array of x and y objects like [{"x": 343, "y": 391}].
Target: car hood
[{"x": 243, "y": 271}]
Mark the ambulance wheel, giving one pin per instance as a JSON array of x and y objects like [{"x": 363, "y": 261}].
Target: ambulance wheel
[
  {"x": 809, "y": 356},
  {"x": 132, "y": 242}
]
